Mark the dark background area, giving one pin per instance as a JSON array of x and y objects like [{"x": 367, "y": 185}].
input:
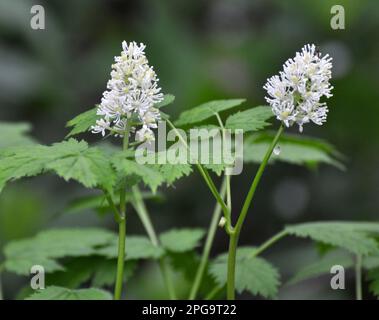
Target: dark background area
[{"x": 201, "y": 50}]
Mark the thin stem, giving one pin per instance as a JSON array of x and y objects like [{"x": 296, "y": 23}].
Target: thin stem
[
  {"x": 214, "y": 292},
  {"x": 234, "y": 237},
  {"x": 204, "y": 173},
  {"x": 270, "y": 242},
  {"x": 111, "y": 203},
  {"x": 120, "y": 258},
  {"x": 228, "y": 188},
  {"x": 358, "y": 277},
  {"x": 167, "y": 278},
  {"x": 1, "y": 288},
  {"x": 144, "y": 216},
  {"x": 121, "y": 229},
  {"x": 230, "y": 284},
  {"x": 208, "y": 245}
]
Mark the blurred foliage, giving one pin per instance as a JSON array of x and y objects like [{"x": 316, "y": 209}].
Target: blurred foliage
[{"x": 201, "y": 51}]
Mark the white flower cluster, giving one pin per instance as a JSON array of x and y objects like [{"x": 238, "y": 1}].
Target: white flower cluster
[
  {"x": 132, "y": 93},
  {"x": 295, "y": 93}
]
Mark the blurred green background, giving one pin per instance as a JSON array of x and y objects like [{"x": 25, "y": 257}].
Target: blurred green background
[{"x": 201, "y": 50}]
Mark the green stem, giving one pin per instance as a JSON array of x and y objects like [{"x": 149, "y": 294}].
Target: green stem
[
  {"x": 208, "y": 245},
  {"x": 358, "y": 277},
  {"x": 144, "y": 216},
  {"x": 1, "y": 288},
  {"x": 120, "y": 258},
  {"x": 270, "y": 242},
  {"x": 167, "y": 278},
  {"x": 234, "y": 236},
  {"x": 212, "y": 294},
  {"x": 232, "y": 252},
  {"x": 204, "y": 173},
  {"x": 121, "y": 229}
]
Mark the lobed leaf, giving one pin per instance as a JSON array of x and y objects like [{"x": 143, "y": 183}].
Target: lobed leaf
[
  {"x": 354, "y": 237},
  {"x": 83, "y": 122},
  {"x": 48, "y": 246},
  {"x": 253, "y": 274},
  {"x": 173, "y": 172},
  {"x": 68, "y": 159},
  {"x": 250, "y": 120}
]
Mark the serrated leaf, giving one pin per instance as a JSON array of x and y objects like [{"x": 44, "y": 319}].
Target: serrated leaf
[
  {"x": 167, "y": 99},
  {"x": 127, "y": 166},
  {"x": 181, "y": 240},
  {"x": 293, "y": 149},
  {"x": 321, "y": 267},
  {"x": 15, "y": 134},
  {"x": 48, "y": 246},
  {"x": 353, "y": 237},
  {"x": 69, "y": 159},
  {"x": 253, "y": 274},
  {"x": 173, "y": 172},
  {"x": 83, "y": 122},
  {"x": 89, "y": 166},
  {"x": 206, "y": 110},
  {"x": 60, "y": 293},
  {"x": 136, "y": 247},
  {"x": 250, "y": 120}
]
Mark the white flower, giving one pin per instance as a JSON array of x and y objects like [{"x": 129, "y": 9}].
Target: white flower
[
  {"x": 132, "y": 93},
  {"x": 295, "y": 94}
]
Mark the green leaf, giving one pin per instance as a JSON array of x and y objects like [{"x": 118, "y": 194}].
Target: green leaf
[
  {"x": 48, "y": 246},
  {"x": 351, "y": 236},
  {"x": 250, "y": 120},
  {"x": 83, "y": 122},
  {"x": 76, "y": 272},
  {"x": 136, "y": 247},
  {"x": 373, "y": 277},
  {"x": 206, "y": 110},
  {"x": 129, "y": 167},
  {"x": 100, "y": 204},
  {"x": 69, "y": 159},
  {"x": 15, "y": 134},
  {"x": 186, "y": 263},
  {"x": 89, "y": 166},
  {"x": 173, "y": 172},
  {"x": 294, "y": 149},
  {"x": 253, "y": 274},
  {"x": 167, "y": 99},
  {"x": 59, "y": 293},
  {"x": 105, "y": 272},
  {"x": 321, "y": 267},
  {"x": 181, "y": 240}
]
